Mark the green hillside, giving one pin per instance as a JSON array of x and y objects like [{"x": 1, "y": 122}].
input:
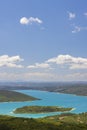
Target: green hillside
[
  {"x": 60, "y": 122},
  {"x": 12, "y": 96}
]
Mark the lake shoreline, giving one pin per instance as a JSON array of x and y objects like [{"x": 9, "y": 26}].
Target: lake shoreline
[{"x": 47, "y": 99}]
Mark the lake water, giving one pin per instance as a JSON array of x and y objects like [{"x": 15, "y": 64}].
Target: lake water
[{"x": 47, "y": 99}]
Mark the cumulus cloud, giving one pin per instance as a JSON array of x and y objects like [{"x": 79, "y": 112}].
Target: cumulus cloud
[
  {"x": 62, "y": 61},
  {"x": 72, "y": 62},
  {"x": 11, "y": 62},
  {"x": 30, "y": 20},
  {"x": 71, "y": 15},
  {"x": 66, "y": 64},
  {"x": 78, "y": 29},
  {"x": 39, "y": 65}
]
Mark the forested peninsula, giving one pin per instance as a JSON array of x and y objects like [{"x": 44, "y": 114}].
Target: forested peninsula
[{"x": 13, "y": 96}]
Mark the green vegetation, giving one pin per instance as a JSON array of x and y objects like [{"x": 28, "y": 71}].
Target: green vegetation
[
  {"x": 70, "y": 118},
  {"x": 40, "y": 109},
  {"x": 12, "y": 96},
  {"x": 65, "y": 121}
]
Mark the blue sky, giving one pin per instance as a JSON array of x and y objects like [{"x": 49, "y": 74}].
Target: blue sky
[{"x": 43, "y": 40}]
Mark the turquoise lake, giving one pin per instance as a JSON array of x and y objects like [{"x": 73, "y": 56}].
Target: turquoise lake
[{"x": 79, "y": 103}]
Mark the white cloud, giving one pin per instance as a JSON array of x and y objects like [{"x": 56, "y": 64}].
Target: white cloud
[
  {"x": 38, "y": 76},
  {"x": 24, "y": 20},
  {"x": 42, "y": 76},
  {"x": 39, "y": 65},
  {"x": 76, "y": 76},
  {"x": 78, "y": 29},
  {"x": 66, "y": 67},
  {"x": 63, "y": 61},
  {"x": 26, "y": 76},
  {"x": 72, "y": 62},
  {"x": 71, "y": 15},
  {"x": 30, "y": 20},
  {"x": 79, "y": 66},
  {"x": 11, "y": 62}
]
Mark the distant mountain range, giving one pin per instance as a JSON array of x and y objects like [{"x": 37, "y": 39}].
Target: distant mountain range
[{"x": 78, "y": 88}]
